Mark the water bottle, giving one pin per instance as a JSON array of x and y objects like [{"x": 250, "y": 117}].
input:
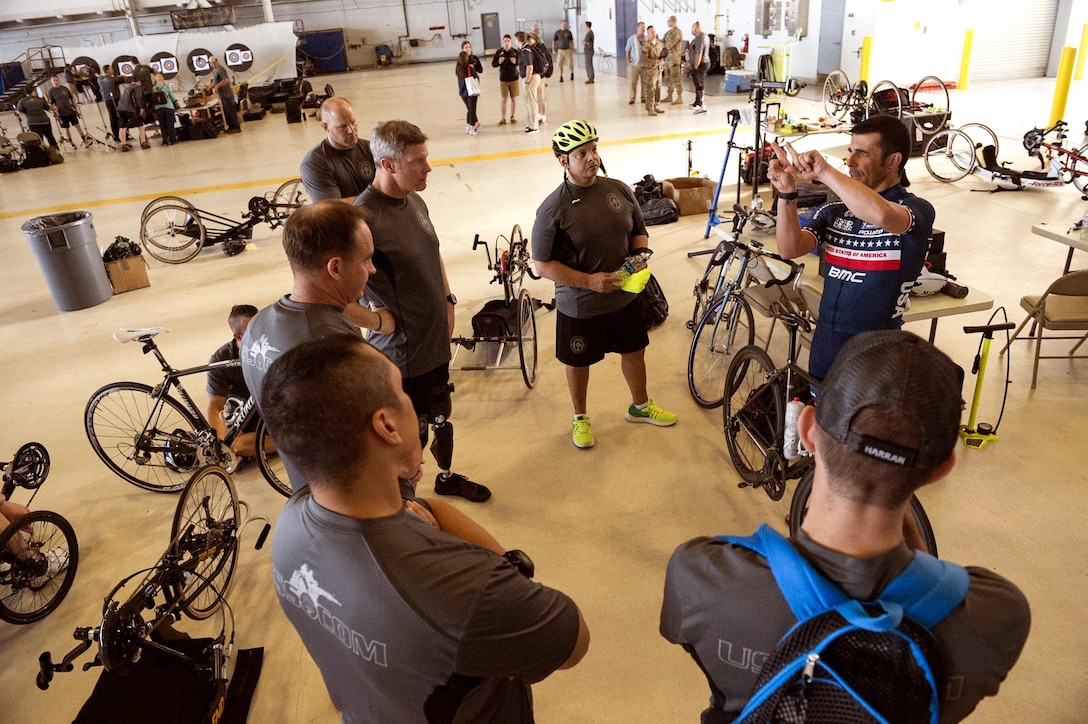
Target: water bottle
[{"x": 790, "y": 441}]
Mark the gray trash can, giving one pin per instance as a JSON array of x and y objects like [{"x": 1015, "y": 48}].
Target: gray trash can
[{"x": 67, "y": 249}]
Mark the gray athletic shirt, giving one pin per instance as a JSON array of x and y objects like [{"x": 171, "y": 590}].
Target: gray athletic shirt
[
  {"x": 331, "y": 173},
  {"x": 408, "y": 282},
  {"x": 277, "y": 329},
  {"x": 589, "y": 230},
  {"x": 397, "y": 615},
  {"x": 723, "y": 601},
  {"x": 35, "y": 109}
]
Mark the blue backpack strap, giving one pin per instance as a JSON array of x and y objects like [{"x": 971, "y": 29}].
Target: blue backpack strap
[
  {"x": 927, "y": 590},
  {"x": 806, "y": 591}
]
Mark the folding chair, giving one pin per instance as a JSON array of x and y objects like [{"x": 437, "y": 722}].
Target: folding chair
[{"x": 1063, "y": 307}]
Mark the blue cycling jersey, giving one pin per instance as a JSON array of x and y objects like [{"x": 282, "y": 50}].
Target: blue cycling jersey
[{"x": 870, "y": 271}]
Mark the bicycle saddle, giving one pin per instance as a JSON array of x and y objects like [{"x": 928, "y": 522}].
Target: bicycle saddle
[{"x": 129, "y": 335}]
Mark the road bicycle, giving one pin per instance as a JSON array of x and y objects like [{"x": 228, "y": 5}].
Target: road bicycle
[
  {"x": 39, "y": 553},
  {"x": 192, "y": 578},
  {"x": 174, "y": 231},
  {"x": 756, "y": 393},
  {"x": 155, "y": 440},
  {"x": 927, "y": 100},
  {"x": 973, "y": 149},
  {"x": 727, "y": 324}
]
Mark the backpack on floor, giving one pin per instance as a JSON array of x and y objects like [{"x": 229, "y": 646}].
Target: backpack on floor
[
  {"x": 852, "y": 661},
  {"x": 34, "y": 156},
  {"x": 542, "y": 60}
]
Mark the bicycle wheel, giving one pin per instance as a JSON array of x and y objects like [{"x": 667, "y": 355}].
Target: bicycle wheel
[
  {"x": 885, "y": 99},
  {"x": 39, "y": 556},
  {"x": 799, "y": 508},
  {"x": 270, "y": 463},
  {"x": 527, "y": 338},
  {"x": 518, "y": 264},
  {"x": 205, "y": 537},
  {"x": 726, "y": 327},
  {"x": 981, "y": 136},
  {"x": 950, "y": 155},
  {"x": 754, "y": 413},
  {"x": 30, "y": 467},
  {"x": 289, "y": 198},
  {"x": 173, "y": 233},
  {"x": 164, "y": 201},
  {"x": 149, "y": 441},
  {"x": 837, "y": 94},
  {"x": 930, "y": 97}
]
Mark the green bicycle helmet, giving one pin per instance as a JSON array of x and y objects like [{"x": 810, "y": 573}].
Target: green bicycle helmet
[{"x": 571, "y": 135}]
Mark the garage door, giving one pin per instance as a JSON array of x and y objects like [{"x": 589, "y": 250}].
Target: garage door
[{"x": 1012, "y": 37}]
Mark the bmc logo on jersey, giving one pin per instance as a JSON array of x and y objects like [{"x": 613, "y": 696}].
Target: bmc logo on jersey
[{"x": 854, "y": 277}]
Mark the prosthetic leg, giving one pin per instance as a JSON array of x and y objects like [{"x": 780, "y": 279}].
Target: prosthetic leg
[{"x": 447, "y": 482}]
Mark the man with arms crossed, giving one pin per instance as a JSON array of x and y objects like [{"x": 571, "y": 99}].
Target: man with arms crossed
[
  {"x": 405, "y": 622},
  {"x": 874, "y": 239},
  {"x": 410, "y": 283},
  {"x": 886, "y": 422},
  {"x": 341, "y": 166}
]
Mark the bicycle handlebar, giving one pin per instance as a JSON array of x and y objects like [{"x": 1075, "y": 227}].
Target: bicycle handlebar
[{"x": 989, "y": 329}]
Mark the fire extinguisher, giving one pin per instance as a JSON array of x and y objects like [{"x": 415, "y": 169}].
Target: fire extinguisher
[{"x": 744, "y": 44}]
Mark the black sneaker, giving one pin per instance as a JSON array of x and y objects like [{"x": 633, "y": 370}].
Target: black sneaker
[
  {"x": 459, "y": 485},
  {"x": 532, "y": 130}
]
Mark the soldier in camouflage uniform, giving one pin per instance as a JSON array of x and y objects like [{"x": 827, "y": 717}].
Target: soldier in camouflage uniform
[
  {"x": 674, "y": 81},
  {"x": 651, "y": 71}
]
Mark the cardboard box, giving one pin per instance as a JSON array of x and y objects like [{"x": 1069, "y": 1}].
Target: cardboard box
[
  {"x": 128, "y": 274},
  {"x": 692, "y": 195}
]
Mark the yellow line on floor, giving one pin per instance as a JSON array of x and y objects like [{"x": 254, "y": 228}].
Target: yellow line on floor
[{"x": 84, "y": 205}]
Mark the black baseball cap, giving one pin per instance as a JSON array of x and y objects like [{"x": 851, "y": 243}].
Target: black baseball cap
[{"x": 901, "y": 370}]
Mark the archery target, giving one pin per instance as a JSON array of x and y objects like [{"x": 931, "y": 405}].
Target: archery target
[
  {"x": 200, "y": 61},
  {"x": 166, "y": 64},
  {"x": 124, "y": 65},
  {"x": 238, "y": 58}
]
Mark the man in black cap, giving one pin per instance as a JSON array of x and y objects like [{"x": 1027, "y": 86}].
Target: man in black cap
[{"x": 885, "y": 423}]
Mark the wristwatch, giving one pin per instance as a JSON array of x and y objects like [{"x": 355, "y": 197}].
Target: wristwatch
[
  {"x": 451, "y": 299},
  {"x": 520, "y": 560}
]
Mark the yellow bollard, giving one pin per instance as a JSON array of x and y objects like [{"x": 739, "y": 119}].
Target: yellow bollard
[
  {"x": 866, "y": 53},
  {"x": 965, "y": 64},
  {"x": 1079, "y": 75},
  {"x": 1061, "y": 86}
]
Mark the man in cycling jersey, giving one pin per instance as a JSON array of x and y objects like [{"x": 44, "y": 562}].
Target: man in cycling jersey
[
  {"x": 583, "y": 233},
  {"x": 874, "y": 240}
]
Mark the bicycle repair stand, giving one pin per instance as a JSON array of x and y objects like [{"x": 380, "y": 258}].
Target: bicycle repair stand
[
  {"x": 713, "y": 220},
  {"x": 975, "y": 434}
]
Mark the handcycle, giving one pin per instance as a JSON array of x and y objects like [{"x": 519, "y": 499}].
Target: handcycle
[
  {"x": 192, "y": 578},
  {"x": 927, "y": 99},
  {"x": 39, "y": 553},
  {"x": 503, "y": 324},
  {"x": 155, "y": 441},
  {"x": 174, "y": 231},
  {"x": 953, "y": 154}
]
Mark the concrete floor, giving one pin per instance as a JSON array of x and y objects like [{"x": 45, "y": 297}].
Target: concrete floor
[{"x": 600, "y": 524}]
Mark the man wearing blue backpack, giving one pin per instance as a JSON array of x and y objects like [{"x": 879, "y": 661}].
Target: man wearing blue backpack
[{"x": 845, "y": 614}]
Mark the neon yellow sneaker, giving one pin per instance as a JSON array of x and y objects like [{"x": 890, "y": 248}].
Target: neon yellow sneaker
[
  {"x": 651, "y": 414},
  {"x": 582, "y": 431}
]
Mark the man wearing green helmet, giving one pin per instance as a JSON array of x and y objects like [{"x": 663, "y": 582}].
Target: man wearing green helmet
[{"x": 584, "y": 232}]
